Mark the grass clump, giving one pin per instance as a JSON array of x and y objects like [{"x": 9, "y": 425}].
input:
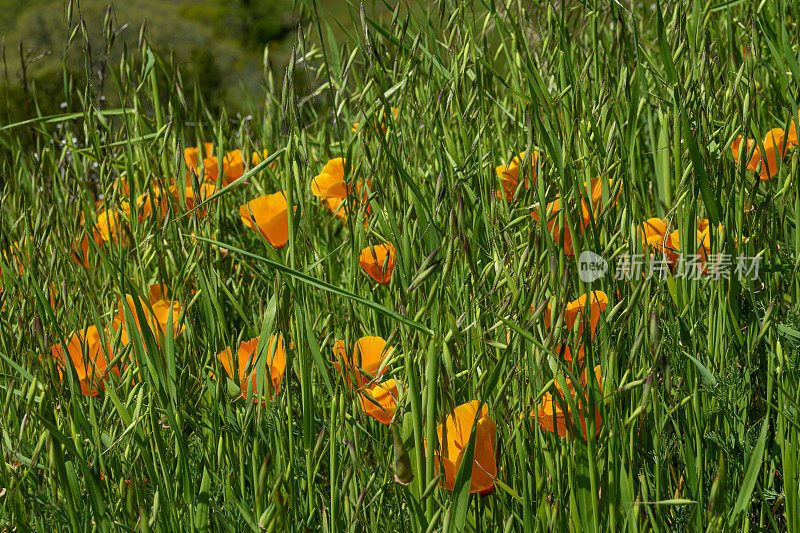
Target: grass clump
[{"x": 362, "y": 307}]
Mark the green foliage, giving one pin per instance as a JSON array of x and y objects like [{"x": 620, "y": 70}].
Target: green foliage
[{"x": 700, "y": 390}]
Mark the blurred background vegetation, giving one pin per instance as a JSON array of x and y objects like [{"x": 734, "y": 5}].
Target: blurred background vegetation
[{"x": 218, "y": 46}]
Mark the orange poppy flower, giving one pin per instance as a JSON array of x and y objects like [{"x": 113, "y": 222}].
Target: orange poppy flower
[
  {"x": 792, "y": 138},
  {"x": 332, "y": 189},
  {"x": 703, "y": 240},
  {"x": 563, "y": 237},
  {"x": 192, "y": 155},
  {"x": 654, "y": 234},
  {"x": 551, "y": 415},
  {"x": 578, "y": 308},
  {"x": 232, "y": 166},
  {"x": 193, "y": 198},
  {"x": 120, "y": 185},
  {"x": 330, "y": 182},
  {"x": 90, "y": 360},
  {"x": 109, "y": 227},
  {"x": 268, "y": 215},
  {"x": 150, "y": 202},
  {"x": 560, "y": 237},
  {"x": 14, "y": 254},
  {"x": 157, "y": 311},
  {"x": 386, "y": 396},
  {"x": 598, "y": 300},
  {"x": 336, "y": 206},
  {"x": 379, "y": 116},
  {"x": 80, "y": 251},
  {"x": 509, "y": 175},
  {"x": 378, "y": 261},
  {"x": 247, "y": 364},
  {"x": 596, "y": 192},
  {"x": 454, "y": 437},
  {"x": 364, "y": 366},
  {"x": 775, "y": 143}
]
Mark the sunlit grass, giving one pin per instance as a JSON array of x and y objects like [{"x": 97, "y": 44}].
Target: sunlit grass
[{"x": 300, "y": 325}]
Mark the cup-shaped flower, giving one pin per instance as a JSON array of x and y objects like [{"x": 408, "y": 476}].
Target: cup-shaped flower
[
  {"x": 337, "y": 207},
  {"x": 592, "y": 307},
  {"x": 193, "y": 197},
  {"x": 80, "y": 251},
  {"x": 88, "y": 358},
  {"x": 509, "y": 174},
  {"x": 192, "y": 157},
  {"x": 380, "y": 401},
  {"x": 552, "y": 413},
  {"x": 243, "y": 368},
  {"x": 595, "y": 189},
  {"x": 561, "y": 237},
  {"x": 654, "y": 234},
  {"x": 378, "y": 261},
  {"x": 157, "y": 310},
  {"x": 592, "y": 304},
  {"x": 702, "y": 241},
  {"x": 793, "y": 135},
  {"x": 109, "y": 227},
  {"x": 268, "y": 215},
  {"x": 363, "y": 366},
  {"x": 330, "y": 182},
  {"x": 233, "y": 166},
  {"x": 152, "y": 202},
  {"x": 776, "y": 143},
  {"x": 454, "y": 435}
]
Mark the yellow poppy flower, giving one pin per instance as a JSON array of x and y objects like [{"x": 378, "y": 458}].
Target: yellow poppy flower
[
  {"x": 269, "y": 216},
  {"x": 247, "y": 364},
  {"x": 454, "y": 435},
  {"x": 378, "y": 261}
]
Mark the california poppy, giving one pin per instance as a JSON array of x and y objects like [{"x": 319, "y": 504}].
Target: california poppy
[
  {"x": 775, "y": 143},
  {"x": 337, "y": 207},
  {"x": 15, "y": 253},
  {"x": 157, "y": 311},
  {"x": 194, "y": 197},
  {"x": 90, "y": 360},
  {"x": 792, "y": 136},
  {"x": 192, "y": 155},
  {"x": 379, "y": 116},
  {"x": 364, "y": 365},
  {"x": 80, "y": 251},
  {"x": 579, "y": 308},
  {"x": 595, "y": 191},
  {"x": 380, "y": 401},
  {"x": 509, "y": 174},
  {"x": 151, "y": 202},
  {"x": 378, "y": 261},
  {"x": 232, "y": 166},
  {"x": 332, "y": 190},
  {"x": 454, "y": 435},
  {"x": 703, "y": 240},
  {"x": 330, "y": 182},
  {"x": 268, "y": 215},
  {"x": 563, "y": 236},
  {"x": 654, "y": 234},
  {"x": 109, "y": 227},
  {"x": 248, "y": 365},
  {"x": 551, "y": 416}
]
